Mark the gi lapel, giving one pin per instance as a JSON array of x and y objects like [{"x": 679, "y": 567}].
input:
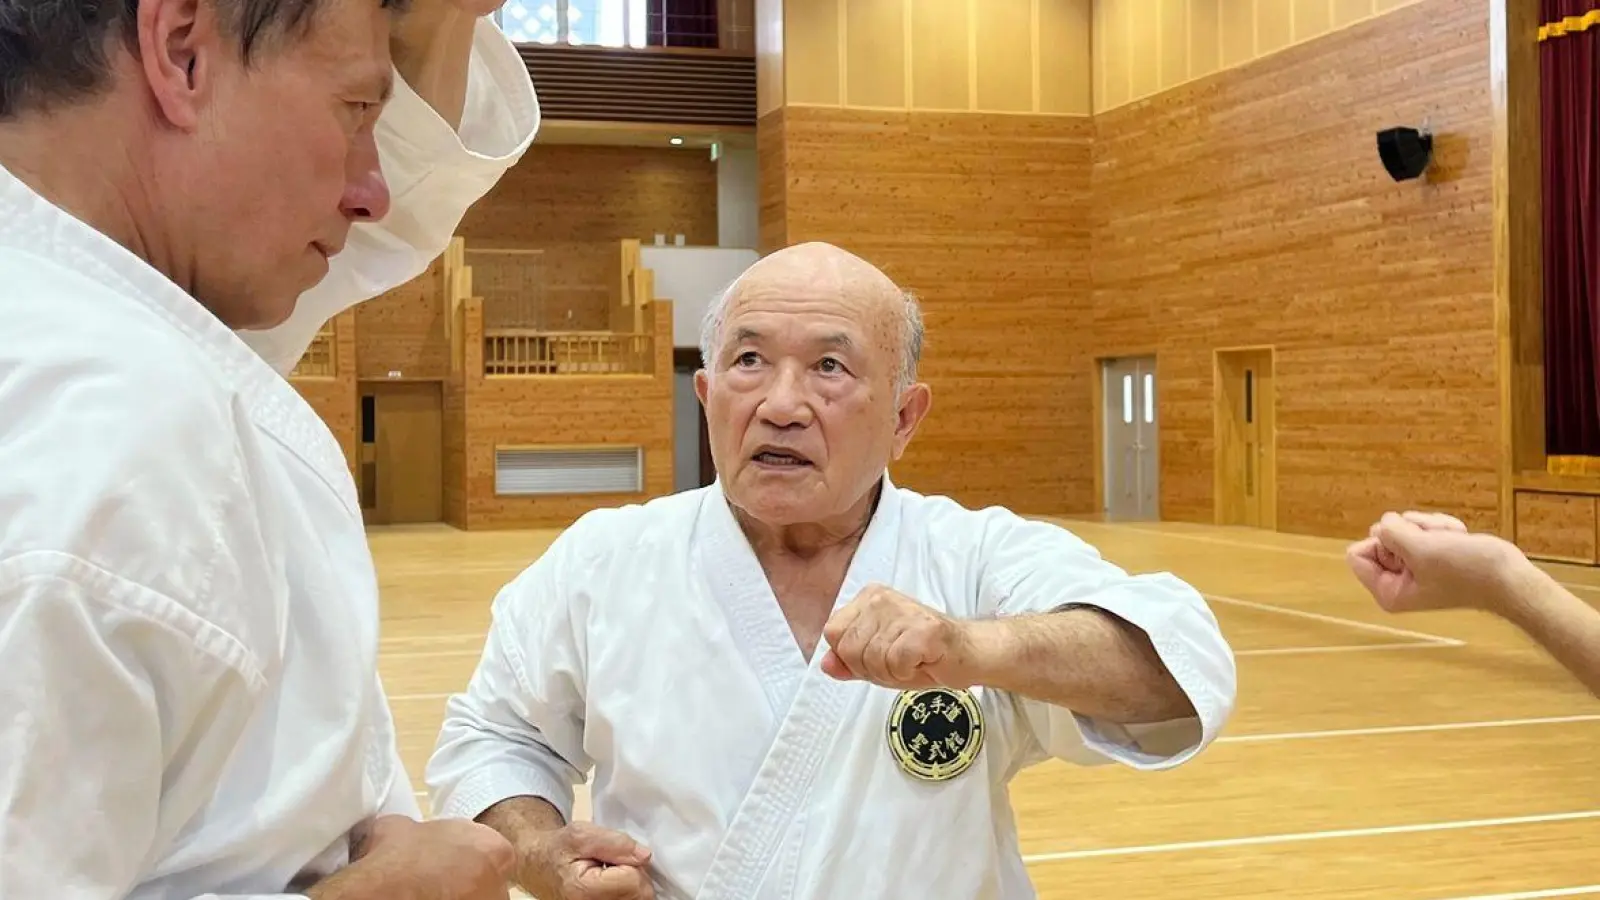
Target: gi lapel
[{"x": 755, "y": 840}]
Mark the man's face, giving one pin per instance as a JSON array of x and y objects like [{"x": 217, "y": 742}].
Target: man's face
[
  {"x": 281, "y": 159},
  {"x": 802, "y": 407}
]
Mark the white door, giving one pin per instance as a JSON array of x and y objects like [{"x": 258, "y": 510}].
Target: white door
[{"x": 1132, "y": 461}]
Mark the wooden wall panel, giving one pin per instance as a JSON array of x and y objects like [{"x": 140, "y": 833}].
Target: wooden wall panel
[
  {"x": 1557, "y": 526},
  {"x": 1015, "y": 56},
  {"x": 566, "y": 410},
  {"x": 577, "y": 202},
  {"x": 986, "y": 217},
  {"x": 403, "y": 331},
  {"x": 773, "y": 174},
  {"x": 334, "y": 398},
  {"x": 1151, "y": 46},
  {"x": 1251, "y": 209}
]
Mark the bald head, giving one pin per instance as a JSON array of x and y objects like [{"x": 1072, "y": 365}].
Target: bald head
[{"x": 817, "y": 275}]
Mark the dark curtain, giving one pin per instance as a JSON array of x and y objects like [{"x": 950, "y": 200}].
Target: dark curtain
[
  {"x": 682, "y": 23},
  {"x": 1569, "y": 102}
]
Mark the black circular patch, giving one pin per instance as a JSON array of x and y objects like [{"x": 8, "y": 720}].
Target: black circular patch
[{"x": 935, "y": 734}]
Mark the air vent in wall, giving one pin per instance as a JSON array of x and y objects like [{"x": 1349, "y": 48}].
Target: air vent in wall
[
  {"x": 628, "y": 85},
  {"x": 525, "y": 471}
]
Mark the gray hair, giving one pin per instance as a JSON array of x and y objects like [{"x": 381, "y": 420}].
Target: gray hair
[
  {"x": 913, "y": 333},
  {"x": 57, "y": 51}
]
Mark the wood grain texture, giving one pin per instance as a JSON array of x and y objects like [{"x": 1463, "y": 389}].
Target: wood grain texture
[
  {"x": 522, "y": 411},
  {"x": 1557, "y": 526},
  {"x": 986, "y": 218},
  {"x": 334, "y": 399},
  {"x": 577, "y": 202},
  {"x": 1250, "y": 208},
  {"x": 403, "y": 331}
]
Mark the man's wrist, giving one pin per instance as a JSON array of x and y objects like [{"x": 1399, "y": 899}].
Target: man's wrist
[{"x": 988, "y": 652}]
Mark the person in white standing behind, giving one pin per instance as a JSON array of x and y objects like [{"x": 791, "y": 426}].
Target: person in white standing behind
[
  {"x": 188, "y": 608},
  {"x": 804, "y": 682}
]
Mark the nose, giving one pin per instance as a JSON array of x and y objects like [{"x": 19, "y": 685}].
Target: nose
[
  {"x": 366, "y": 192},
  {"x": 786, "y": 404}
]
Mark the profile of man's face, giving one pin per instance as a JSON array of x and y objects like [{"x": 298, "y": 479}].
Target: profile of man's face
[{"x": 264, "y": 167}]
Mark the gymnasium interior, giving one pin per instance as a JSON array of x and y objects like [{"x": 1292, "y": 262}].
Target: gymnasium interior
[{"x": 1211, "y": 283}]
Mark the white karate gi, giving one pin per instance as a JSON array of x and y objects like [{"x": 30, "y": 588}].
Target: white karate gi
[
  {"x": 647, "y": 644},
  {"x": 188, "y": 608}
]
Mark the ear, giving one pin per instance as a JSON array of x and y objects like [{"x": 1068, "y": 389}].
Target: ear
[
  {"x": 702, "y": 381},
  {"x": 179, "y": 44},
  {"x": 915, "y": 401}
]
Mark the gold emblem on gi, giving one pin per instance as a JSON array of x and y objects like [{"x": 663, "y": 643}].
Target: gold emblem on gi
[{"x": 936, "y": 733}]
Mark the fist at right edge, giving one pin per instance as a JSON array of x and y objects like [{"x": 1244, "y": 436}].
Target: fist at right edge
[{"x": 582, "y": 861}]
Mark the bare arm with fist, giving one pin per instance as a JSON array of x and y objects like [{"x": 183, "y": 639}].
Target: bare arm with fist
[
  {"x": 1083, "y": 659},
  {"x": 1429, "y": 561},
  {"x": 399, "y": 858}
]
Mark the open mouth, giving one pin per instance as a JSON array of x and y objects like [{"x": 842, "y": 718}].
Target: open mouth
[{"x": 780, "y": 458}]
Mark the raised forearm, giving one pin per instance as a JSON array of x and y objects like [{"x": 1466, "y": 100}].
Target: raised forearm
[
  {"x": 432, "y": 49},
  {"x": 1085, "y": 660},
  {"x": 1565, "y": 626}
]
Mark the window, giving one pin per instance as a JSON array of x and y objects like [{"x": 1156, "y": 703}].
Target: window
[
  {"x": 605, "y": 23},
  {"x": 1149, "y": 398},
  {"x": 1127, "y": 399}
]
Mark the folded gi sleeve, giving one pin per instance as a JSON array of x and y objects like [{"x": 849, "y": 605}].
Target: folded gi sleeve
[
  {"x": 517, "y": 730},
  {"x": 119, "y": 708},
  {"x": 1035, "y": 567},
  {"x": 435, "y": 173}
]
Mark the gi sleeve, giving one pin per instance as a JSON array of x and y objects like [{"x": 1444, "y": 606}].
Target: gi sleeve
[
  {"x": 517, "y": 730},
  {"x": 400, "y": 798},
  {"x": 1038, "y": 567},
  {"x": 118, "y": 710},
  {"x": 435, "y": 174}
]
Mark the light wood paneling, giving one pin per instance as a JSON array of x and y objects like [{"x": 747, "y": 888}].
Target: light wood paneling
[
  {"x": 773, "y": 175},
  {"x": 1014, "y": 56},
  {"x": 523, "y": 411},
  {"x": 1557, "y": 526},
  {"x": 401, "y": 334},
  {"x": 1360, "y": 764},
  {"x": 1155, "y": 45},
  {"x": 334, "y": 399},
  {"x": 986, "y": 217},
  {"x": 577, "y": 202},
  {"x": 770, "y": 53},
  {"x": 1251, "y": 209}
]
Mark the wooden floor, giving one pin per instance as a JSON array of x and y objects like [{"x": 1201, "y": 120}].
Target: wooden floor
[{"x": 1437, "y": 756}]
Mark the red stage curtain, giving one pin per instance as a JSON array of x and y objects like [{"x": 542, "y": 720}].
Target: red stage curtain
[
  {"x": 682, "y": 23},
  {"x": 1569, "y": 69}
]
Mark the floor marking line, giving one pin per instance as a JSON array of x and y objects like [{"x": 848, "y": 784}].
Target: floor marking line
[
  {"x": 1404, "y": 729},
  {"x": 1535, "y": 895},
  {"x": 399, "y": 697},
  {"x": 1335, "y": 620},
  {"x": 434, "y": 638},
  {"x": 1344, "y": 648},
  {"x": 424, "y": 654},
  {"x": 1299, "y": 551},
  {"x": 1256, "y": 840}
]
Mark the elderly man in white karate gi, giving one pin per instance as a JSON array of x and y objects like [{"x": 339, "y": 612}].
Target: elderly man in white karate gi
[
  {"x": 804, "y": 682},
  {"x": 188, "y": 609}
]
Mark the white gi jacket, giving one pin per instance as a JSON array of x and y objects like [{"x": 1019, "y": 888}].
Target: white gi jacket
[
  {"x": 647, "y": 645},
  {"x": 188, "y": 609}
]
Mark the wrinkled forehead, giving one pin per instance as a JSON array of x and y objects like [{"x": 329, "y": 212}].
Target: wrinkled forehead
[{"x": 821, "y": 290}]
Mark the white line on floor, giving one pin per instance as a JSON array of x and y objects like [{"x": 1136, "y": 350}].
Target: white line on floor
[
  {"x": 1298, "y": 551},
  {"x": 1535, "y": 895},
  {"x": 1335, "y": 620},
  {"x": 420, "y": 654},
  {"x": 1344, "y": 648},
  {"x": 400, "y": 697},
  {"x": 1404, "y": 729},
  {"x": 1311, "y": 836}
]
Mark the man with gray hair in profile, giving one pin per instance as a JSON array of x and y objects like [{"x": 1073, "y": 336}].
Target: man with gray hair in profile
[
  {"x": 804, "y": 682},
  {"x": 189, "y": 189}
]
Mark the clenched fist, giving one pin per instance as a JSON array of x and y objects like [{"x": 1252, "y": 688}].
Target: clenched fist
[
  {"x": 1420, "y": 561},
  {"x": 444, "y": 859},
  {"x": 889, "y": 639}
]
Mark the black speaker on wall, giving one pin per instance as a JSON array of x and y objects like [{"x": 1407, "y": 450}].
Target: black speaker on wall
[{"x": 1405, "y": 152}]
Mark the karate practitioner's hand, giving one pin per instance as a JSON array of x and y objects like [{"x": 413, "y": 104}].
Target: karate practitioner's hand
[
  {"x": 444, "y": 859},
  {"x": 582, "y": 861},
  {"x": 889, "y": 639},
  {"x": 1423, "y": 561}
]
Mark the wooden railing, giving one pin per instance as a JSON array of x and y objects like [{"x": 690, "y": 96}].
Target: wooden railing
[
  {"x": 521, "y": 352},
  {"x": 321, "y": 358}
]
